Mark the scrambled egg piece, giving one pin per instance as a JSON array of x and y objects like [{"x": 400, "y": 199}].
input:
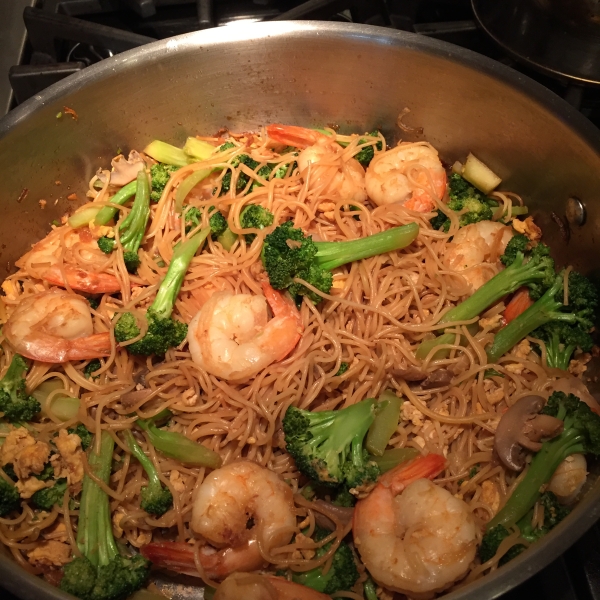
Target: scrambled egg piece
[
  {"x": 71, "y": 457},
  {"x": 99, "y": 231},
  {"x": 578, "y": 365},
  {"x": 522, "y": 350},
  {"x": 516, "y": 368},
  {"x": 493, "y": 393},
  {"x": 24, "y": 452},
  {"x": 491, "y": 323},
  {"x": 50, "y": 554},
  {"x": 189, "y": 397},
  {"x": 527, "y": 228},
  {"x": 11, "y": 290},
  {"x": 177, "y": 481},
  {"x": 412, "y": 414},
  {"x": 328, "y": 210},
  {"x": 28, "y": 487},
  {"x": 490, "y": 495},
  {"x": 57, "y": 533}
]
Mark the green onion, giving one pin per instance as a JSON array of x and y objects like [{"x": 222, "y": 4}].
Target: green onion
[
  {"x": 62, "y": 406},
  {"x": 227, "y": 239}
]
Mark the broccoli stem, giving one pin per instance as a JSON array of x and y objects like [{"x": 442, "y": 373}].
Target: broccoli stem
[
  {"x": 106, "y": 213},
  {"x": 505, "y": 282},
  {"x": 134, "y": 225},
  {"x": 171, "y": 284},
  {"x": 94, "y": 536},
  {"x": 185, "y": 187},
  {"x": 538, "y": 314},
  {"x": 331, "y": 255},
  {"x": 153, "y": 479},
  {"x": 557, "y": 357},
  {"x": 541, "y": 469}
]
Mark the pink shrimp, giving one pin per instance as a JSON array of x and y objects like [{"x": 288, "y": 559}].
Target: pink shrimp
[
  {"x": 413, "y": 536},
  {"x": 410, "y": 174},
  {"x": 225, "y": 501},
  {"x": 323, "y": 165},
  {"x": 55, "y": 327},
  {"x": 232, "y": 337},
  {"x": 83, "y": 263}
]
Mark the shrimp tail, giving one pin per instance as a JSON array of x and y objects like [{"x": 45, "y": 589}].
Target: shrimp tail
[
  {"x": 179, "y": 557},
  {"x": 422, "y": 467},
  {"x": 290, "y": 135},
  {"x": 172, "y": 556},
  {"x": 284, "y": 307},
  {"x": 81, "y": 280},
  {"x": 50, "y": 349}
]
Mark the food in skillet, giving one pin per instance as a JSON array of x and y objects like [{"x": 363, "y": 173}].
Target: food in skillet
[{"x": 293, "y": 364}]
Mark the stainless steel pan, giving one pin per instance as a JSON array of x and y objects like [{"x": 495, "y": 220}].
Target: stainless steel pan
[{"x": 308, "y": 73}]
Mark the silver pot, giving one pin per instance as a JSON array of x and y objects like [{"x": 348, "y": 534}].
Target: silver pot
[{"x": 308, "y": 73}]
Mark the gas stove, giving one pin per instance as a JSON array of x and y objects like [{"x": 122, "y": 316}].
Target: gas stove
[{"x": 43, "y": 41}]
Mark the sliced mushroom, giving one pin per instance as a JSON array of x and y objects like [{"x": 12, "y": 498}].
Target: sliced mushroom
[
  {"x": 135, "y": 397},
  {"x": 439, "y": 378},
  {"x": 522, "y": 427},
  {"x": 124, "y": 171}
]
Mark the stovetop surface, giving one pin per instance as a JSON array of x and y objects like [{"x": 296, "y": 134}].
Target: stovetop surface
[{"x": 64, "y": 36}]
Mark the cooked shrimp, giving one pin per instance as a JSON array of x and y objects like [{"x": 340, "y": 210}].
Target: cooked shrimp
[
  {"x": 252, "y": 586},
  {"x": 569, "y": 478},
  {"x": 322, "y": 163},
  {"x": 226, "y": 501},
  {"x": 410, "y": 174},
  {"x": 83, "y": 263},
  {"x": 232, "y": 337},
  {"x": 475, "y": 250},
  {"x": 55, "y": 327},
  {"x": 413, "y": 536}
]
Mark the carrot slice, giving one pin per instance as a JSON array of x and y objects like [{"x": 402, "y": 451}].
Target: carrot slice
[{"x": 519, "y": 303}]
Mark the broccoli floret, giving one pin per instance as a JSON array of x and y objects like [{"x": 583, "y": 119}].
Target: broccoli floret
[
  {"x": 9, "y": 470},
  {"x": 92, "y": 367},
  {"x": 343, "y": 368},
  {"x": 155, "y": 498},
  {"x": 255, "y": 216},
  {"x": 577, "y": 316},
  {"x": 46, "y": 473},
  {"x": 464, "y": 198},
  {"x": 225, "y": 146},
  {"x": 106, "y": 244},
  {"x": 242, "y": 179},
  {"x": 46, "y": 498},
  {"x": 342, "y": 574},
  {"x": 518, "y": 243},
  {"x": 554, "y": 513},
  {"x": 366, "y": 154},
  {"x": 84, "y": 435},
  {"x": 163, "y": 332},
  {"x": 160, "y": 175},
  {"x": 581, "y": 434},
  {"x": 16, "y": 404},
  {"x": 9, "y": 497},
  {"x": 288, "y": 254},
  {"x": 537, "y": 272},
  {"x": 217, "y": 222},
  {"x": 328, "y": 446},
  {"x": 102, "y": 573},
  {"x": 344, "y": 498}
]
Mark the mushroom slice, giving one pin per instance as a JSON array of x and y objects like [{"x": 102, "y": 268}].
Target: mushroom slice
[
  {"x": 521, "y": 427},
  {"x": 123, "y": 171}
]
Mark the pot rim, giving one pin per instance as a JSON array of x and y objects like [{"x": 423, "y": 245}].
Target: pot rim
[{"x": 30, "y": 587}]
